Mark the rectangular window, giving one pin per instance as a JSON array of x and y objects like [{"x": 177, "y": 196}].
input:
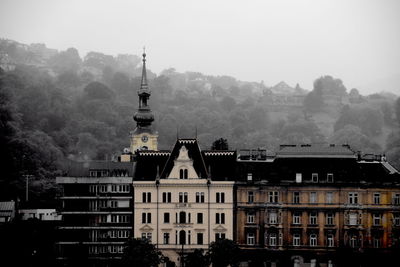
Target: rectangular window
[
  {"x": 166, "y": 217},
  {"x": 146, "y": 236},
  {"x": 313, "y": 218},
  {"x": 251, "y": 239},
  {"x": 313, "y": 197},
  {"x": 200, "y": 218},
  {"x": 166, "y": 197},
  {"x": 251, "y": 218},
  {"x": 353, "y": 198},
  {"x": 377, "y": 219},
  {"x": 296, "y": 197},
  {"x": 199, "y": 197},
  {"x": 396, "y": 198},
  {"x": 377, "y": 198},
  {"x": 313, "y": 240},
  {"x": 329, "y": 177},
  {"x": 220, "y": 197},
  {"x": 219, "y": 236},
  {"x": 146, "y": 197},
  {"x": 396, "y": 219},
  {"x": 353, "y": 218},
  {"x": 329, "y": 218},
  {"x": 250, "y": 197},
  {"x": 183, "y": 197},
  {"x": 296, "y": 240},
  {"x": 376, "y": 242},
  {"x": 273, "y": 197},
  {"x": 272, "y": 239},
  {"x": 220, "y": 218},
  {"x": 298, "y": 178},
  {"x": 146, "y": 217},
  {"x": 166, "y": 239},
  {"x": 329, "y": 197},
  {"x": 330, "y": 241},
  {"x": 296, "y": 218},
  {"x": 314, "y": 177},
  {"x": 249, "y": 176},
  {"x": 273, "y": 217},
  {"x": 199, "y": 238}
]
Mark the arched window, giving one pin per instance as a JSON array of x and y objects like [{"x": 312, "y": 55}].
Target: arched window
[
  {"x": 183, "y": 174},
  {"x": 182, "y": 217},
  {"x": 182, "y": 237}
]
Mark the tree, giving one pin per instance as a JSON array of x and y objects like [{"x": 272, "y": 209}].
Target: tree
[
  {"x": 220, "y": 144},
  {"x": 96, "y": 90},
  {"x": 313, "y": 101},
  {"x": 197, "y": 258},
  {"x": 330, "y": 86},
  {"x": 224, "y": 252},
  {"x": 353, "y": 136},
  {"x": 140, "y": 252}
]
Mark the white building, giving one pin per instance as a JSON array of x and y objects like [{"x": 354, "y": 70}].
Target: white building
[
  {"x": 181, "y": 198},
  {"x": 41, "y": 214}
]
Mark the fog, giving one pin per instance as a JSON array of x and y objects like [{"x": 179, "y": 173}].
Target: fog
[{"x": 294, "y": 41}]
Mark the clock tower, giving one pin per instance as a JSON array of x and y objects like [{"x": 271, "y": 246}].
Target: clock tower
[{"x": 143, "y": 137}]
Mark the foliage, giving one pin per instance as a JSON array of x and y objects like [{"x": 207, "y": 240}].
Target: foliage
[
  {"x": 224, "y": 252},
  {"x": 353, "y": 136},
  {"x": 197, "y": 258},
  {"x": 140, "y": 252},
  {"x": 220, "y": 144}
]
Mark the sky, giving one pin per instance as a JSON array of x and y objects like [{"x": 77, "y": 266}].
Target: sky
[{"x": 295, "y": 41}]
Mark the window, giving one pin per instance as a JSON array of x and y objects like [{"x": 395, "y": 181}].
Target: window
[
  {"x": 313, "y": 240},
  {"x": 330, "y": 241},
  {"x": 296, "y": 197},
  {"x": 146, "y": 236},
  {"x": 166, "y": 198},
  {"x": 273, "y": 217},
  {"x": 220, "y": 218},
  {"x": 377, "y": 219},
  {"x": 396, "y": 198},
  {"x": 296, "y": 240},
  {"x": 251, "y": 240},
  {"x": 353, "y": 198},
  {"x": 329, "y": 197},
  {"x": 182, "y": 217},
  {"x": 313, "y": 218},
  {"x": 199, "y": 218},
  {"x": 114, "y": 204},
  {"x": 313, "y": 197},
  {"x": 183, "y": 197},
  {"x": 377, "y": 198},
  {"x": 166, "y": 217},
  {"x": 199, "y": 238},
  {"x": 353, "y": 241},
  {"x": 329, "y": 218},
  {"x": 199, "y": 197},
  {"x": 220, "y": 197},
  {"x": 353, "y": 218},
  {"x": 250, "y": 197},
  {"x": 273, "y": 197},
  {"x": 183, "y": 174},
  {"x": 146, "y": 217},
  {"x": 251, "y": 218},
  {"x": 249, "y": 176},
  {"x": 396, "y": 219},
  {"x": 298, "y": 178},
  {"x": 329, "y": 177},
  {"x": 166, "y": 238},
  {"x": 126, "y": 218},
  {"x": 296, "y": 218},
  {"x": 314, "y": 177},
  {"x": 146, "y": 197},
  {"x": 376, "y": 242},
  {"x": 219, "y": 236},
  {"x": 272, "y": 239}
]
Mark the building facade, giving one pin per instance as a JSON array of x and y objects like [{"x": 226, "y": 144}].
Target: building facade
[
  {"x": 180, "y": 203},
  {"x": 311, "y": 205}
]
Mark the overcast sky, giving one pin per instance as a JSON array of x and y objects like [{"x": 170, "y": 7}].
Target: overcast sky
[{"x": 295, "y": 41}]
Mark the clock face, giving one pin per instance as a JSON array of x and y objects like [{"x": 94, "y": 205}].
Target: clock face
[{"x": 145, "y": 138}]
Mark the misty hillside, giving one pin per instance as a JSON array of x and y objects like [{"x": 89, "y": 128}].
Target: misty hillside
[{"x": 59, "y": 105}]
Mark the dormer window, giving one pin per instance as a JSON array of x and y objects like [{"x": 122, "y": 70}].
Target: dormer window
[
  {"x": 249, "y": 176},
  {"x": 314, "y": 177},
  {"x": 183, "y": 174},
  {"x": 298, "y": 178},
  {"x": 329, "y": 177}
]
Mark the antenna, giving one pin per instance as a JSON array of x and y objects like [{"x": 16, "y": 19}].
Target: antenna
[
  {"x": 196, "y": 132},
  {"x": 177, "y": 132}
]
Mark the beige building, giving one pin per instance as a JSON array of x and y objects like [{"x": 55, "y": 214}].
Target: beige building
[{"x": 178, "y": 204}]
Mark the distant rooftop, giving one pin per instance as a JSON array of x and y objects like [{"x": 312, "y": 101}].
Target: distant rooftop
[{"x": 315, "y": 151}]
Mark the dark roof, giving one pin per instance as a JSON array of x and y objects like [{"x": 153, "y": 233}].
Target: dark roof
[
  {"x": 81, "y": 169},
  {"x": 220, "y": 164},
  {"x": 315, "y": 151},
  {"x": 148, "y": 163},
  {"x": 194, "y": 153}
]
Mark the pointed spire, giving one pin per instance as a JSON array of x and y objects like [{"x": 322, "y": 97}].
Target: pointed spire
[{"x": 143, "y": 84}]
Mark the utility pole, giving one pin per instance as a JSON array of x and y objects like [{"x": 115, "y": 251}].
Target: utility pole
[{"x": 26, "y": 187}]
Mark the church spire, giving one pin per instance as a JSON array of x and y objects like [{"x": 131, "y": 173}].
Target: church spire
[{"x": 144, "y": 117}]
